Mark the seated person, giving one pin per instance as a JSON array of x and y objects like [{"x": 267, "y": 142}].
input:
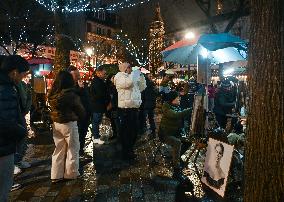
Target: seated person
[{"x": 171, "y": 127}]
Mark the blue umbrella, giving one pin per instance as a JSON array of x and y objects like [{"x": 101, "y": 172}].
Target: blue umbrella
[{"x": 220, "y": 48}]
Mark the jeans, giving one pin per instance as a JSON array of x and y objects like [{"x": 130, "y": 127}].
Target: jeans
[
  {"x": 96, "y": 121},
  {"x": 112, "y": 115},
  {"x": 6, "y": 176},
  {"x": 222, "y": 120},
  {"x": 143, "y": 114},
  {"x": 128, "y": 124},
  {"x": 21, "y": 147},
  {"x": 65, "y": 158},
  {"x": 83, "y": 126}
]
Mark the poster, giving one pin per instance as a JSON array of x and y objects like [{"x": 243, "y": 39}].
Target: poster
[{"x": 217, "y": 165}]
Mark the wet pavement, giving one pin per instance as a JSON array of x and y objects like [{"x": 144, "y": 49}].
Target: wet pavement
[{"x": 105, "y": 177}]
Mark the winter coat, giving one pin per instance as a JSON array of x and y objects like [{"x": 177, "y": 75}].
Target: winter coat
[
  {"x": 12, "y": 128},
  {"x": 129, "y": 88},
  {"x": 149, "y": 95},
  {"x": 113, "y": 94},
  {"x": 83, "y": 93},
  {"x": 100, "y": 96},
  {"x": 172, "y": 120},
  {"x": 66, "y": 106},
  {"x": 224, "y": 102},
  {"x": 25, "y": 97}
]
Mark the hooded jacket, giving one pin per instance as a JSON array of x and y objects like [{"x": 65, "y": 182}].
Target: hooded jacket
[
  {"x": 172, "y": 120},
  {"x": 66, "y": 106},
  {"x": 129, "y": 88},
  {"x": 224, "y": 102},
  {"x": 11, "y": 122}
]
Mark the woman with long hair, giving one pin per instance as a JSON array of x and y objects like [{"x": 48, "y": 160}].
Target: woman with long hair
[{"x": 66, "y": 108}]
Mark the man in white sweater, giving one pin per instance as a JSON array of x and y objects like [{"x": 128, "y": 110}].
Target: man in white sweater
[{"x": 129, "y": 85}]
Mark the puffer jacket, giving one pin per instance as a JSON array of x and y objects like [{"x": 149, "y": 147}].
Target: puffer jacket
[
  {"x": 10, "y": 116},
  {"x": 224, "y": 102},
  {"x": 129, "y": 88},
  {"x": 66, "y": 106},
  {"x": 172, "y": 120}
]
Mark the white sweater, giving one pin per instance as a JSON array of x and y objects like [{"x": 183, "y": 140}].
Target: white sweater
[{"x": 129, "y": 88}]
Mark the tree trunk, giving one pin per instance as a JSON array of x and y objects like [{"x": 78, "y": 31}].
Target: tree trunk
[
  {"x": 62, "y": 42},
  {"x": 264, "y": 170}
]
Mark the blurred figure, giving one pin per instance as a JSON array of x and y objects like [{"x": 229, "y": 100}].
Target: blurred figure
[
  {"x": 147, "y": 108},
  {"x": 112, "y": 111},
  {"x": 66, "y": 110},
  {"x": 171, "y": 127},
  {"x": 82, "y": 91},
  {"x": 211, "y": 96},
  {"x": 129, "y": 86},
  {"x": 224, "y": 103},
  {"x": 164, "y": 88},
  {"x": 100, "y": 101},
  {"x": 12, "y": 126}
]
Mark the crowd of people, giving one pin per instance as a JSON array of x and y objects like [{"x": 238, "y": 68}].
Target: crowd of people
[{"x": 127, "y": 98}]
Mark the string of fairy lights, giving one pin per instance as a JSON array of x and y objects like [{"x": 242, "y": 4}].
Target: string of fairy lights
[
  {"x": 86, "y": 5},
  {"x": 140, "y": 56}
]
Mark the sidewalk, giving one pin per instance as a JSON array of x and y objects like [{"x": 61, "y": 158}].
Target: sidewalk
[{"x": 106, "y": 178}]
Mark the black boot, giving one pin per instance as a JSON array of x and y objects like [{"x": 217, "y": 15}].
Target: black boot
[{"x": 177, "y": 172}]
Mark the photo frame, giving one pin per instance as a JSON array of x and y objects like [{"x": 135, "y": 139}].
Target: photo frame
[{"x": 217, "y": 165}]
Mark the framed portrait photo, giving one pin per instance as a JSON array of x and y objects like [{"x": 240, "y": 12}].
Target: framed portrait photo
[{"x": 217, "y": 165}]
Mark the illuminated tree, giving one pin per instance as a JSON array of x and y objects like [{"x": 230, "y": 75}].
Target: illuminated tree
[{"x": 156, "y": 44}]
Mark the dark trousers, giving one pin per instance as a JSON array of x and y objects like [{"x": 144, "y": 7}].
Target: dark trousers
[
  {"x": 83, "y": 126},
  {"x": 222, "y": 120},
  {"x": 112, "y": 115},
  {"x": 143, "y": 115},
  {"x": 128, "y": 124}
]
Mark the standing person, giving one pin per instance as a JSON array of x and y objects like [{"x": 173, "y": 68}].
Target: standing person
[
  {"x": 164, "y": 88},
  {"x": 149, "y": 96},
  {"x": 224, "y": 103},
  {"x": 100, "y": 101},
  {"x": 112, "y": 113},
  {"x": 13, "y": 69},
  {"x": 66, "y": 109},
  {"x": 82, "y": 91},
  {"x": 129, "y": 86},
  {"x": 211, "y": 96},
  {"x": 25, "y": 105}
]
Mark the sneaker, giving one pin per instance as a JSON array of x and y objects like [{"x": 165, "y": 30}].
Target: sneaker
[
  {"x": 98, "y": 141},
  {"x": 56, "y": 180},
  {"x": 17, "y": 170},
  {"x": 24, "y": 165},
  {"x": 16, "y": 187}
]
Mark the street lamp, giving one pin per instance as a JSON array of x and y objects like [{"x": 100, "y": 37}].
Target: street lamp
[
  {"x": 89, "y": 52},
  {"x": 189, "y": 35}
]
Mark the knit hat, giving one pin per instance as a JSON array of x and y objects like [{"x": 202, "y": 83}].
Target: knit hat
[
  {"x": 225, "y": 84},
  {"x": 123, "y": 66},
  {"x": 171, "y": 96}
]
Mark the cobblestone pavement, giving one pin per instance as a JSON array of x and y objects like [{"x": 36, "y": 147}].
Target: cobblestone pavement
[{"x": 106, "y": 178}]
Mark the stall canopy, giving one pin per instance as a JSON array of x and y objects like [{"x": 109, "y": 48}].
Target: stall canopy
[{"x": 219, "y": 48}]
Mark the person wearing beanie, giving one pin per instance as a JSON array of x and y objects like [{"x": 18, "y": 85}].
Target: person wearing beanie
[
  {"x": 129, "y": 85},
  {"x": 171, "y": 127},
  {"x": 223, "y": 103},
  {"x": 12, "y": 128}
]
